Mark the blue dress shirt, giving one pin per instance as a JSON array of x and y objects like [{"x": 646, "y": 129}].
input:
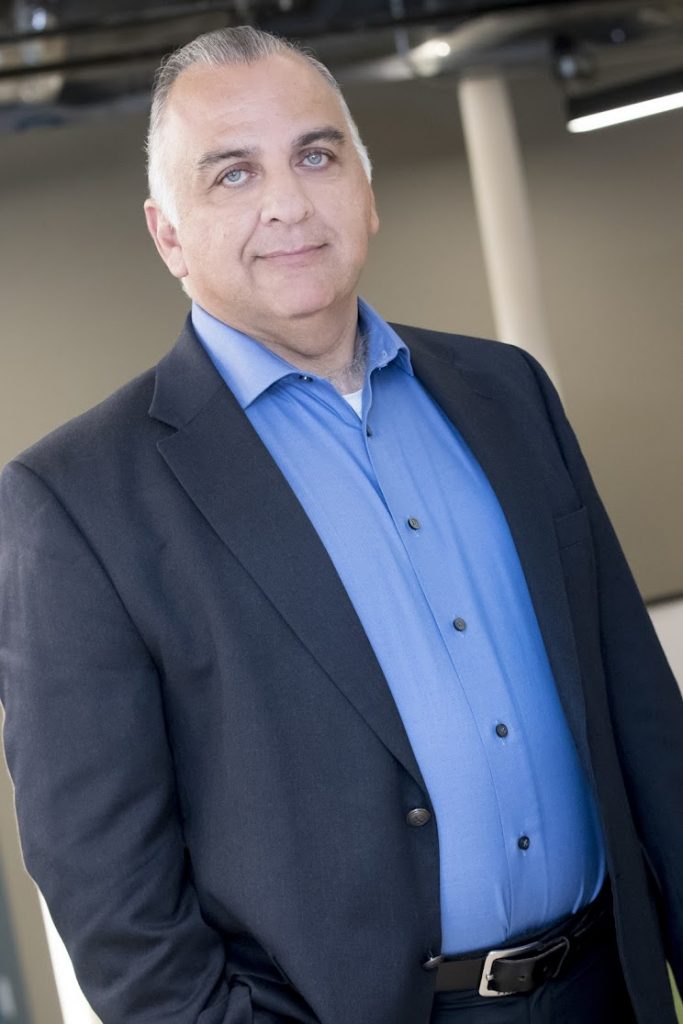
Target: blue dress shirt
[{"x": 423, "y": 549}]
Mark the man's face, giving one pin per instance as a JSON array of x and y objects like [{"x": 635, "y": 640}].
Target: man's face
[{"x": 274, "y": 208}]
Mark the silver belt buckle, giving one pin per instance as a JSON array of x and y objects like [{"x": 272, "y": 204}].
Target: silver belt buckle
[{"x": 487, "y": 973}]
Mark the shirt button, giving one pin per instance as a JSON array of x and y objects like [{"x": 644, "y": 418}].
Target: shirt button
[
  {"x": 418, "y": 816},
  {"x": 501, "y": 730},
  {"x": 460, "y": 625},
  {"x": 414, "y": 523},
  {"x": 368, "y": 430},
  {"x": 524, "y": 842},
  {"x": 303, "y": 376}
]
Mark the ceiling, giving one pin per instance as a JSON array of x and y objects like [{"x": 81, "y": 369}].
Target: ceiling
[{"x": 65, "y": 60}]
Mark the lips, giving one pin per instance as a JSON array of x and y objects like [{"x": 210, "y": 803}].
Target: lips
[{"x": 290, "y": 253}]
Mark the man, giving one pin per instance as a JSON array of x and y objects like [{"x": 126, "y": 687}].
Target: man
[{"x": 307, "y": 590}]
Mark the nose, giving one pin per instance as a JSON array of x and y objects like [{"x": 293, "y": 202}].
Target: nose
[{"x": 285, "y": 199}]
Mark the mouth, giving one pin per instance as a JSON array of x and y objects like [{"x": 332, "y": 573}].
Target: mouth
[{"x": 291, "y": 255}]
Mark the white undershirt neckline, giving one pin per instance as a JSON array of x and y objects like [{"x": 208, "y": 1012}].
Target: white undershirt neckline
[{"x": 355, "y": 400}]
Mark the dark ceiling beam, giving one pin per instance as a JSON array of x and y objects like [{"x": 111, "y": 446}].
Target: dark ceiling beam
[
  {"x": 151, "y": 19},
  {"x": 374, "y": 16},
  {"x": 79, "y": 63}
]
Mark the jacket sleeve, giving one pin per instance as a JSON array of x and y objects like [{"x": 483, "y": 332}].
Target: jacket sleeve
[
  {"x": 94, "y": 785},
  {"x": 644, "y": 699}
]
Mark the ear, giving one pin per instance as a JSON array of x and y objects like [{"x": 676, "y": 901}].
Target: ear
[
  {"x": 166, "y": 239},
  {"x": 374, "y": 217}
]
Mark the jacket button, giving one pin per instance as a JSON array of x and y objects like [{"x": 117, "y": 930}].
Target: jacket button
[
  {"x": 418, "y": 816},
  {"x": 432, "y": 963}
]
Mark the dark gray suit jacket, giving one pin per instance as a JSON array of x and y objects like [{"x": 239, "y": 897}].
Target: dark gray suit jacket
[{"x": 212, "y": 779}]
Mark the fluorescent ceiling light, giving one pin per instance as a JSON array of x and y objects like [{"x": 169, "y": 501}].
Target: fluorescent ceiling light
[
  {"x": 631, "y": 112},
  {"x": 625, "y": 103}
]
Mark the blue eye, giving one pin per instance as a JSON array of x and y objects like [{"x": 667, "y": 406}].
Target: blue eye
[
  {"x": 230, "y": 177},
  {"x": 317, "y": 158}
]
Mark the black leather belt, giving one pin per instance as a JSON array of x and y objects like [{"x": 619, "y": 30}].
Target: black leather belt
[{"x": 522, "y": 968}]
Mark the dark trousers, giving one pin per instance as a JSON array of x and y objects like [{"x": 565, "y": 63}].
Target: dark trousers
[{"x": 593, "y": 991}]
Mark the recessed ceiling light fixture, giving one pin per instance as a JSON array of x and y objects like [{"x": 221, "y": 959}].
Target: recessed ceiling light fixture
[
  {"x": 625, "y": 103},
  {"x": 433, "y": 48}
]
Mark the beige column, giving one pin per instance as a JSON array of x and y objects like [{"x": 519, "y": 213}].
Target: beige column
[{"x": 502, "y": 205}]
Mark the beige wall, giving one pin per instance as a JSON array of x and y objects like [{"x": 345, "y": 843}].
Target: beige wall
[
  {"x": 609, "y": 222},
  {"x": 86, "y": 303}
]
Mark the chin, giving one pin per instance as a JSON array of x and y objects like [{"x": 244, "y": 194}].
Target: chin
[{"x": 305, "y": 303}]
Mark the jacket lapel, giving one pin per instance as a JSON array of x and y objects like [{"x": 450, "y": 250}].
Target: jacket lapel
[
  {"x": 488, "y": 424},
  {"x": 220, "y": 461}
]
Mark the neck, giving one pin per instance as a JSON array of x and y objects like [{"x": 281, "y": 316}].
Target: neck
[
  {"x": 323, "y": 344},
  {"x": 352, "y": 376}
]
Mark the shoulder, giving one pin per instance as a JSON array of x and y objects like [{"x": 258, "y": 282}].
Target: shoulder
[
  {"x": 112, "y": 432},
  {"x": 508, "y": 365},
  {"x": 464, "y": 349}
]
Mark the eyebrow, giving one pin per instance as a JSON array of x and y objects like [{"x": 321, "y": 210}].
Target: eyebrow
[{"x": 325, "y": 134}]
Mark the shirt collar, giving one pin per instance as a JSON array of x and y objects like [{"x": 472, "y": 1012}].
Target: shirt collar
[
  {"x": 249, "y": 368},
  {"x": 384, "y": 344}
]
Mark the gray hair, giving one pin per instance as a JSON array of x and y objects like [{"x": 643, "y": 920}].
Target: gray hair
[{"x": 241, "y": 44}]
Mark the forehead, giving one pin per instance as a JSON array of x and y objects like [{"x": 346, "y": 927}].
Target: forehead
[{"x": 245, "y": 102}]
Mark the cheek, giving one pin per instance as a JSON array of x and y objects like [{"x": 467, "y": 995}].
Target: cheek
[
  {"x": 215, "y": 242},
  {"x": 350, "y": 218},
  {"x": 365, "y": 218}
]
